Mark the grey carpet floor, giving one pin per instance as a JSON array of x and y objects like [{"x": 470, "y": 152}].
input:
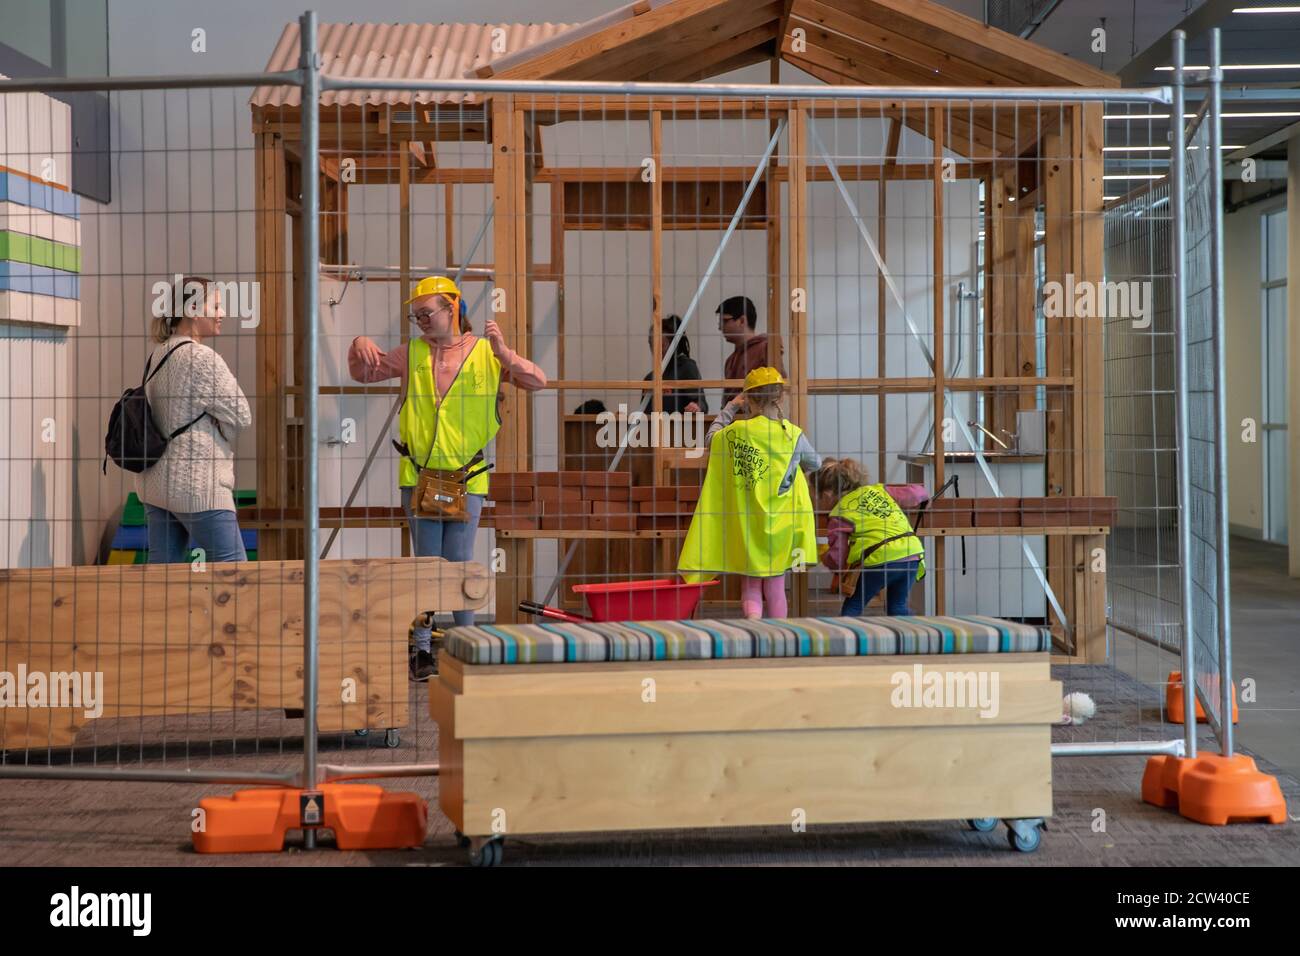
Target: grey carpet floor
[{"x": 59, "y": 823}]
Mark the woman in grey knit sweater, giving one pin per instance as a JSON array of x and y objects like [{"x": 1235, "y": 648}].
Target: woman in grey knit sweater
[{"x": 189, "y": 493}]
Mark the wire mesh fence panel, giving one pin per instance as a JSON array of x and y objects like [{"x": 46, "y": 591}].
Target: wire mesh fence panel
[
  {"x": 541, "y": 315},
  {"x": 1141, "y": 445},
  {"x": 1202, "y": 510}
]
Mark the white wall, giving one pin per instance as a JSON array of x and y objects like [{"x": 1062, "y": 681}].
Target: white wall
[
  {"x": 37, "y": 444},
  {"x": 1244, "y": 357}
]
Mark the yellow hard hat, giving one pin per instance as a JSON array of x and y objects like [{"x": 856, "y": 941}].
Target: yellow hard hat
[
  {"x": 433, "y": 285},
  {"x": 763, "y": 376}
]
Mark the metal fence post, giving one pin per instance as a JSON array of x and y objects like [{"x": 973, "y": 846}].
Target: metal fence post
[
  {"x": 1220, "y": 395},
  {"x": 1178, "y": 170},
  {"x": 311, "y": 320}
]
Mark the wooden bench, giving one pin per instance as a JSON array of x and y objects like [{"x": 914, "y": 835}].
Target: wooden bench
[
  {"x": 169, "y": 640},
  {"x": 814, "y": 737}
]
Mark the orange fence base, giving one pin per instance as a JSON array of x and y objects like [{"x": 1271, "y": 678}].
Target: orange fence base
[
  {"x": 363, "y": 817},
  {"x": 1174, "y": 701},
  {"x": 1214, "y": 789}
]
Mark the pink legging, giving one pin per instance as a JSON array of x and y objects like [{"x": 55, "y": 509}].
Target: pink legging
[{"x": 755, "y": 592}]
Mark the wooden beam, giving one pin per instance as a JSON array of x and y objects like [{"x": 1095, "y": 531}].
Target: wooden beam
[
  {"x": 960, "y": 36},
  {"x": 772, "y": 189},
  {"x": 511, "y": 194},
  {"x": 940, "y": 297},
  {"x": 404, "y": 273},
  {"x": 843, "y": 17},
  {"x": 798, "y": 219},
  {"x": 272, "y": 331},
  {"x": 613, "y": 47},
  {"x": 1090, "y": 393},
  {"x": 1058, "y": 254},
  {"x": 712, "y": 55}
]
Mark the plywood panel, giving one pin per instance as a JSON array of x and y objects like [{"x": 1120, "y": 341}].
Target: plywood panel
[
  {"x": 583, "y": 784},
  {"x": 167, "y": 640}
]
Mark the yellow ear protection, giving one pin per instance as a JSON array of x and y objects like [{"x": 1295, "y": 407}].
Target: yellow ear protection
[{"x": 440, "y": 285}]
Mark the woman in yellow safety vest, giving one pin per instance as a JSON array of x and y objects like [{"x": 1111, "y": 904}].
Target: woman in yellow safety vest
[
  {"x": 865, "y": 518},
  {"x": 450, "y": 384},
  {"x": 754, "y": 516}
]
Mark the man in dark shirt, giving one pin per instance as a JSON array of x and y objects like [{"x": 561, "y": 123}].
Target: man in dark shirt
[{"x": 737, "y": 319}]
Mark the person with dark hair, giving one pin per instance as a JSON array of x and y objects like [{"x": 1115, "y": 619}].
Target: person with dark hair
[
  {"x": 737, "y": 321},
  {"x": 188, "y": 493},
  {"x": 681, "y": 368}
]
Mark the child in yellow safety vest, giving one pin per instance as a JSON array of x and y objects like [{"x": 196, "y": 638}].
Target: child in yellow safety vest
[
  {"x": 869, "y": 532},
  {"x": 755, "y": 516}
]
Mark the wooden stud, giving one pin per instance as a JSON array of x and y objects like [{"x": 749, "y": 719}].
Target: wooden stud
[
  {"x": 798, "y": 212},
  {"x": 270, "y": 415},
  {"x": 937, "y": 116}
]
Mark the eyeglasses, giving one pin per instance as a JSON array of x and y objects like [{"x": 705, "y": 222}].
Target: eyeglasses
[{"x": 427, "y": 313}]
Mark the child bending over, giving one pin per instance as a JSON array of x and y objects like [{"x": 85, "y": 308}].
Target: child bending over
[{"x": 870, "y": 533}]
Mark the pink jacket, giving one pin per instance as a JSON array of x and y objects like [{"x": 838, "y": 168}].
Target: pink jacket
[{"x": 446, "y": 363}]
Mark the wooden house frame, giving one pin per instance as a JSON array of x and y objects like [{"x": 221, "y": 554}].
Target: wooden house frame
[{"x": 861, "y": 42}]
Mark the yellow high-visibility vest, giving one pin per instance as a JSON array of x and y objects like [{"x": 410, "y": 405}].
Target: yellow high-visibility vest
[
  {"x": 742, "y": 525},
  {"x": 875, "y": 516},
  {"x": 446, "y": 434}
]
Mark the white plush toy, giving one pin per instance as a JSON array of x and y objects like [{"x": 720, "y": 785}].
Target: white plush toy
[{"x": 1077, "y": 708}]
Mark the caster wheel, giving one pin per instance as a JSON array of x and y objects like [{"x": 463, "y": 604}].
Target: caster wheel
[
  {"x": 363, "y": 732},
  {"x": 1026, "y": 842},
  {"x": 463, "y": 841},
  {"x": 983, "y": 824},
  {"x": 489, "y": 854},
  {"x": 392, "y": 738}
]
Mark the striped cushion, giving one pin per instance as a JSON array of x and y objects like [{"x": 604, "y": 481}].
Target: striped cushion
[{"x": 554, "y": 642}]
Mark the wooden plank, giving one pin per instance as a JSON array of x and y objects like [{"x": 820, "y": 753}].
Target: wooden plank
[
  {"x": 653, "y": 781},
  {"x": 940, "y": 298},
  {"x": 772, "y": 203},
  {"x": 170, "y": 640},
  {"x": 757, "y": 704},
  {"x": 512, "y": 248},
  {"x": 1058, "y": 253},
  {"x": 746, "y": 37},
  {"x": 798, "y": 212},
  {"x": 623, "y": 40},
  {"x": 842, "y": 16},
  {"x": 558, "y": 270},
  {"x": 960, "y": 36},
  {"x": 882, "y": 306},
  {"x": 270, "y": 337},
  {"x": 1090, "y": 395}
]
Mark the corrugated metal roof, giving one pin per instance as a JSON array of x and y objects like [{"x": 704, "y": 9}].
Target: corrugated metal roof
[{"x": 407, "y": 50}]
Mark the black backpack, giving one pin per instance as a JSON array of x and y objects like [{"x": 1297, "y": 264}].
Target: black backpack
[{"x": 134, "y": 441}]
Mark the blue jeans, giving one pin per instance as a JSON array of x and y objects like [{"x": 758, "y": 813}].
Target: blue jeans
[
  {"x": 453, "y": 540},
  {"x": 895, "y": 577},
  {"x": 216, "y": 532}
]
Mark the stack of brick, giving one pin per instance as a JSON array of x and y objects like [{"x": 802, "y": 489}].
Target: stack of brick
[
  {"x": 560, "y": 501},
  {"x": 666, "y": 508},
  {"x": 1054, "y": 512}
]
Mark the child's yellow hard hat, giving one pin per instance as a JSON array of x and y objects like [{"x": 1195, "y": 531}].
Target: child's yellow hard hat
[
  {"x": 433, "y": 285},
  {"x": 763, "y": 376}
]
